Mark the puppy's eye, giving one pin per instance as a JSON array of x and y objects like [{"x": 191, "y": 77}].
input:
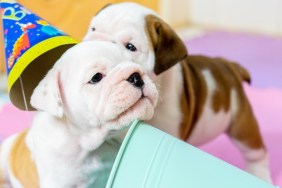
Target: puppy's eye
[
  {"x": 93, "y": 29},
  {"x": 130, "y": 47},
  {"x": 96, "y": 78}
]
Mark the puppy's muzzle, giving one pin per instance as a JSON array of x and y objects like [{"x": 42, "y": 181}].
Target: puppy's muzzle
[{"x": 136, "y": 80}]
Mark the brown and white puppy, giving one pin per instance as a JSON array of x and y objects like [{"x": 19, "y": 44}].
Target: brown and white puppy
[
  {"x": 85, "y": 100},
  {"x": 200, "y": 97}
]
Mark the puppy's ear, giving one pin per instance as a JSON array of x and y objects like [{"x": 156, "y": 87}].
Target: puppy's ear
[
  {"x": 47, "y": 96},
  {"x": 168, "y": 47}
]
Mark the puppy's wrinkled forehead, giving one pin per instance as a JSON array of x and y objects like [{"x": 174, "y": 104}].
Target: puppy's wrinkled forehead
[
  {"x": 152, "y": 42},
  {"x": 84, "y": 55},
  {"x": 92, "y": 50}
]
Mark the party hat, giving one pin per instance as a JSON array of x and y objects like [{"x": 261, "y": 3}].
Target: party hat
[{"x": 32, "y": 46}]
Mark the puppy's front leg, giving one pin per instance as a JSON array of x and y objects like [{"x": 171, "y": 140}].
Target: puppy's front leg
[{"x": 47, "y": 182}]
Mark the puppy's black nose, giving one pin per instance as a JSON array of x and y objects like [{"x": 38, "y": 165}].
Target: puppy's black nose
[{"x": 136, "y": 80}]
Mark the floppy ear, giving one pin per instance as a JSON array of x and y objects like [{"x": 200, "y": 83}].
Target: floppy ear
[
  {"x": 168, "y": 47},
  {"x": 46, "y": 96}
]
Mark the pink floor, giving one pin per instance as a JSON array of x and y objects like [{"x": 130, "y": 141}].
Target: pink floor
[
  {"x": 267, "y": 106},
  {"x": 265, "y": 95},
  {"x": 261, "y": 55}
]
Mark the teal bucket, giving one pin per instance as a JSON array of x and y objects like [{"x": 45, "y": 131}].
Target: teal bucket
[{"x": 150, "y": 158}]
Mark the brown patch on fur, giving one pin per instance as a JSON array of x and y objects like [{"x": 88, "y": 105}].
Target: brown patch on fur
[
  {"x": 22, "y": 164},
  {"x": 193, "y": 97},
  {"x": 169, "y": 50},
  {"x": 1, "y": 178},
  {"x": 187, "y": 104},
  {"x": 228, "y": 76},
  {"x": 244, "y": 127},
  {"x": 168, "y": 47},
  {"x": 243, "y": 73}
]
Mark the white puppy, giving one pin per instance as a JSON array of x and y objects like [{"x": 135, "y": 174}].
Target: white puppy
[
  {"x": 200, "y": 97},
  {"x": 90, "y": 94}
]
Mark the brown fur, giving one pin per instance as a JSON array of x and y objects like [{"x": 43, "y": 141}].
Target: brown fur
[
  {"x": 244, "y": 74},
  {"x": 21, "y": 163},
  {"x": 227, "y": 75},
  {"x": 1, "y": 178},
  {"x": 168, "y": 47},
  {"x": 194, "y": 93}
]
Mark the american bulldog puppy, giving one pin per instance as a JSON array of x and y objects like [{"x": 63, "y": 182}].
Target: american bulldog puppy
[
  {"x": 85, "y": 102},
  {"x": 200, "y": 97}
]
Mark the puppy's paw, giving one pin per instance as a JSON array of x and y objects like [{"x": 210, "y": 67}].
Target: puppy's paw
[{"x": 260, "y": 169}]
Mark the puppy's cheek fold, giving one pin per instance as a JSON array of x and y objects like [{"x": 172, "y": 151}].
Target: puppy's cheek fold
[
  {"x": 100, "y": 109},
  {"x": 149, "y": 112},
  {"x": 152, "y": 93},
  {"x": 94, "y": 120}
]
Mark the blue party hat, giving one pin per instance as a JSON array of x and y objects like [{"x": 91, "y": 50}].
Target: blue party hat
[{"x": 32, "y": 46}]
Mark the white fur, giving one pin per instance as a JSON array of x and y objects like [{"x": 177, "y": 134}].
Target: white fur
[
  {"x": 257, "y": 161},
  {"x": 125, "y": 22},
  {"x": 132, "y": 19},
  {"x": 210, "y": 124},
  {"x": 168, "y": 115},
  {"x": 75, "y": 138},
  {"x": 4, "y": 166},
  {"x": 117, "y": 20}
]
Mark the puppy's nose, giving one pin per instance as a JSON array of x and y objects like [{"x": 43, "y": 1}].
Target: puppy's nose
[{"x": 136, "y": 80}]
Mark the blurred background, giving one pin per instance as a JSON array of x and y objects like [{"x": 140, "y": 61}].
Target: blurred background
[
  {"x": 190, "y": 18},
  {"x": 246, "y": 31}
]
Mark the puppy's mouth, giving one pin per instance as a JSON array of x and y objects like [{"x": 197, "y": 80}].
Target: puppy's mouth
[
  {"x": 128, "y": 100},
  {"x": 142, "y": 109},
  {"x": 136, "y": 105}
]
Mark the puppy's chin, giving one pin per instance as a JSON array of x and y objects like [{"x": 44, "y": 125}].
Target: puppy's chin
[{"x": 143, "y": 109}]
